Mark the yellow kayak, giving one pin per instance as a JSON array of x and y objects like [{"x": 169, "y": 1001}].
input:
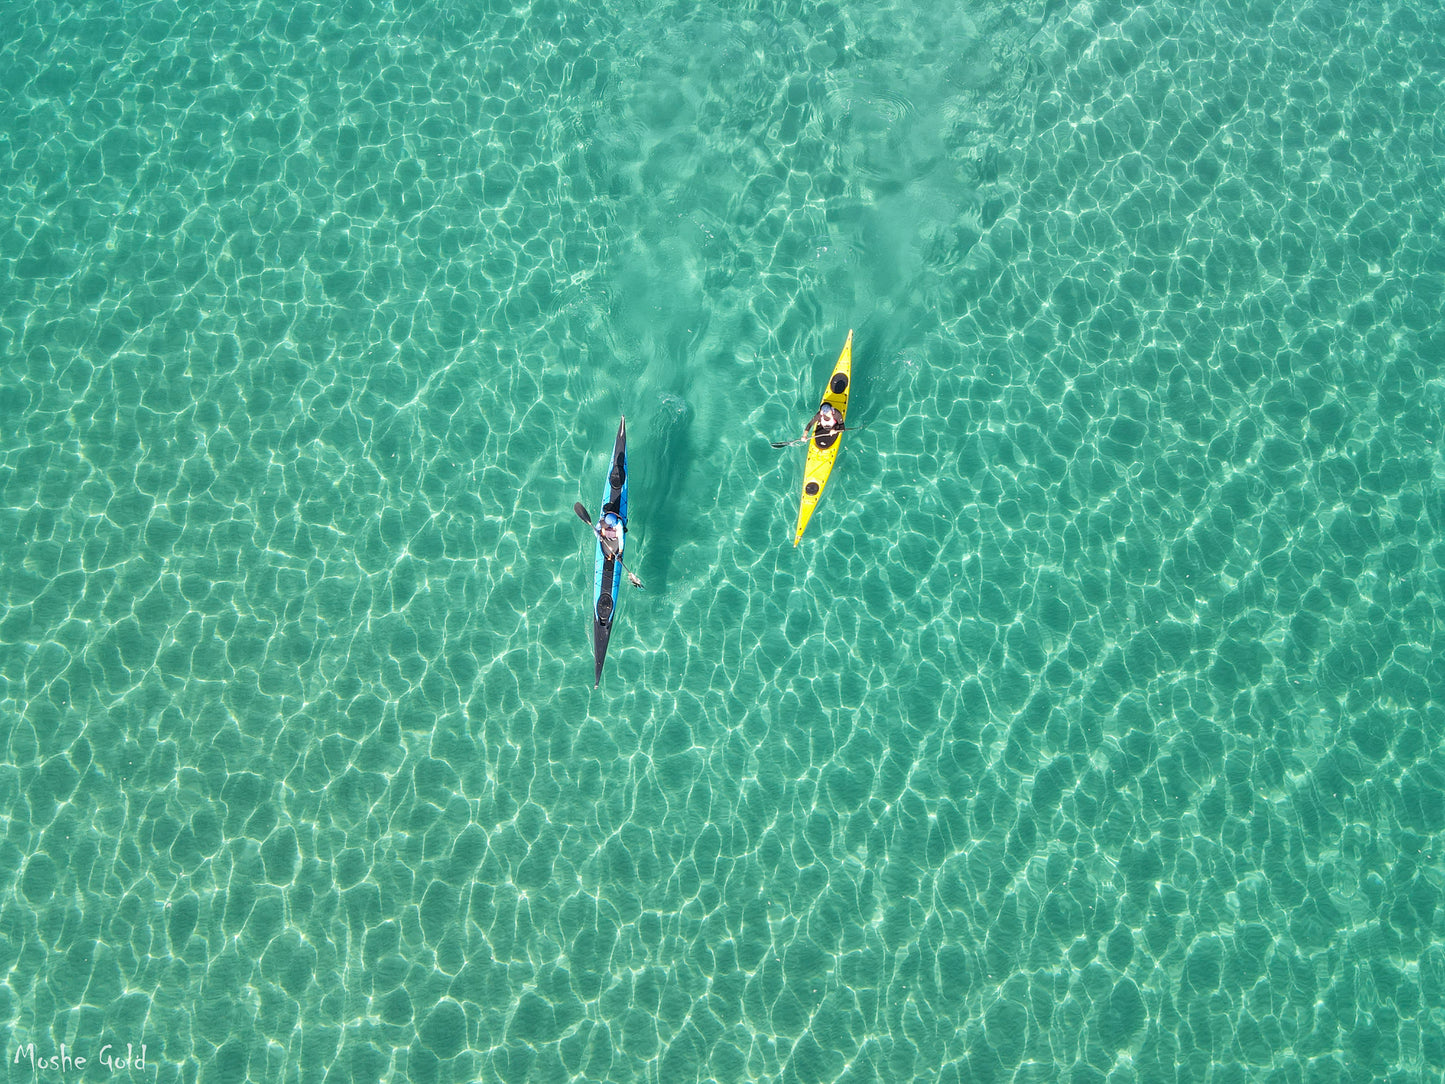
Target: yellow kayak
[{"x": 823, "y": 450}]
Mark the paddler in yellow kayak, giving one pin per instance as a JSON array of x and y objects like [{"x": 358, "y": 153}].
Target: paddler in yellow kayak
[
  {"x": 825, "y": 426},
  {"x": 822, "y": 434}
]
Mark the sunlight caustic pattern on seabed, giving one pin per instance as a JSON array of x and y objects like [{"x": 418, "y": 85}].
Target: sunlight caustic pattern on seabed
[{"x": 1091, "y": 732}]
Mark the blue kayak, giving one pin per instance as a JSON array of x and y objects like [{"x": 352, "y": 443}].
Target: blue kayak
[{"x": 608, "y": 583}]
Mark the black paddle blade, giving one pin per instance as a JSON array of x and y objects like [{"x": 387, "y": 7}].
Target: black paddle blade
[
  {"x": 789, "y": 443},
  {"x": 582, "y": 513}
]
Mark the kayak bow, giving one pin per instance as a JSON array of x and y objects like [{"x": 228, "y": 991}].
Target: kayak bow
[
  {"x": 608, "y": 581},
  {"x": 823, "y": 450}
]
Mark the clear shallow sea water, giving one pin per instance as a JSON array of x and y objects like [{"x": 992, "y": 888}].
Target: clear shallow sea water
[{"x": 1090, "y": 734}]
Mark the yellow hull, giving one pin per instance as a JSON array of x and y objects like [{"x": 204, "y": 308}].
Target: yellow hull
[{"x": 820, "y": 460}]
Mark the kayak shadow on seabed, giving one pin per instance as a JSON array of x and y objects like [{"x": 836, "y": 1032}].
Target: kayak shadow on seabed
[
  {"x": 661, "y": 455},
  {"x": 880, "y": 339}
]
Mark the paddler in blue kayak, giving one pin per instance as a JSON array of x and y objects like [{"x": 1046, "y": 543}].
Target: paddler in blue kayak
[{"x": 610, "y": 534}]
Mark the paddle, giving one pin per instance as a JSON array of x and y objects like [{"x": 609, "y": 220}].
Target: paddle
[
  {"x": 804, "y": 440},
  {"x": 585, "y": 518}
]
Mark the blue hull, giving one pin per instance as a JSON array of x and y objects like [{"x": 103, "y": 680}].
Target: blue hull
[{"x": 607, "y": 583}]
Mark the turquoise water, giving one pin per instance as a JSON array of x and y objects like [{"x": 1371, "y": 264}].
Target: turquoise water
[{"x": 1091, "y": 732}]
